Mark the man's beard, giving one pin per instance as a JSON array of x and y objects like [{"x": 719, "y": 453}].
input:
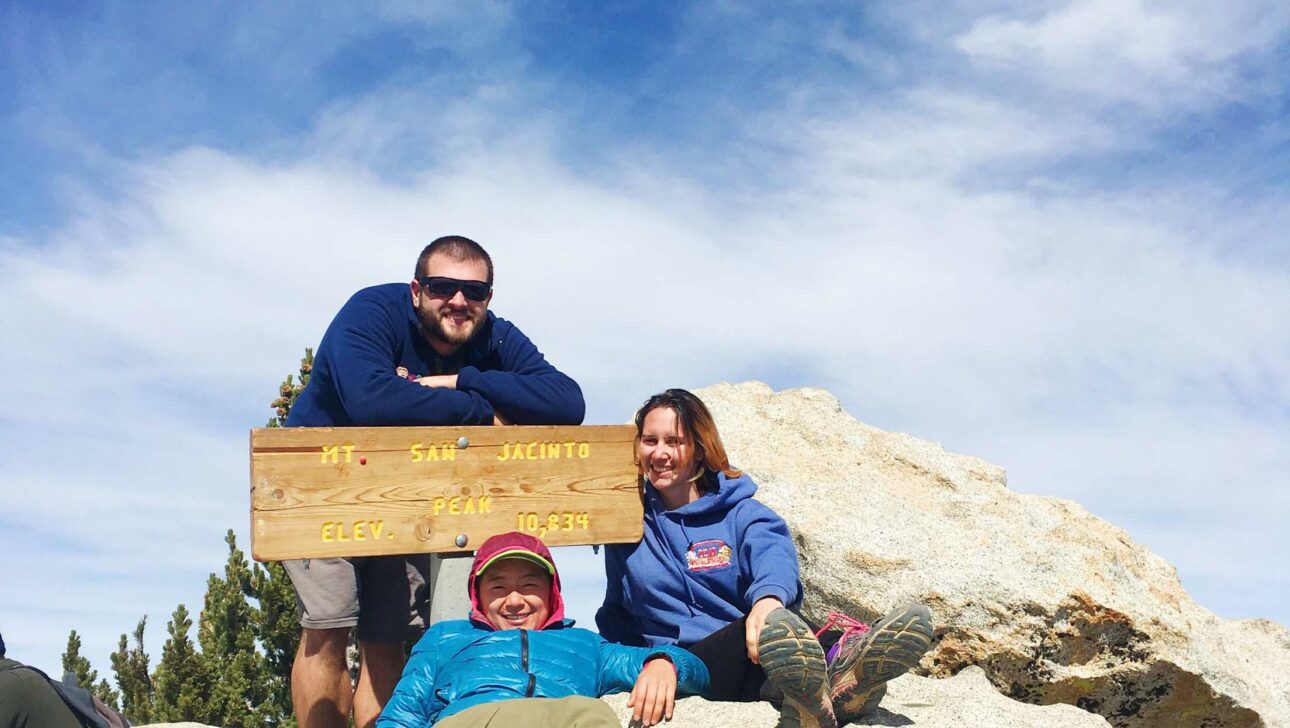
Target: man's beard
[{"x": 432, "y": 327}]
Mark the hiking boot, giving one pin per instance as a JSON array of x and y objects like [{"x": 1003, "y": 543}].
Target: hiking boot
[
  {"x": 867, "y": 659},
  {"x": 793, "y": 661}
]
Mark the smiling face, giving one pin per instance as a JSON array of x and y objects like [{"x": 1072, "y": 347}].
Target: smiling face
[
  {"x": 514, "y": 594},
  {"x": 667, "y": 458},
  {"x": 447, "y": 323}
]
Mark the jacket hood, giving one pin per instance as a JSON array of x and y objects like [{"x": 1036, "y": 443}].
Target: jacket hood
[
  {"x": 729, "y": 491},
  {"x": 515, "y": 545}
]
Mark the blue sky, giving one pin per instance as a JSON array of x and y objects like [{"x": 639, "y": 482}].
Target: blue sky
[{"x": 1048, "y": 234}]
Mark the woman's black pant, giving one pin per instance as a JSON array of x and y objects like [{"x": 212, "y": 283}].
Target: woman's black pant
[{"x": 735, "y": 678}]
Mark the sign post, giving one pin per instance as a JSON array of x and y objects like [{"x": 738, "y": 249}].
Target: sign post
[{"x": 319, "y": 492}]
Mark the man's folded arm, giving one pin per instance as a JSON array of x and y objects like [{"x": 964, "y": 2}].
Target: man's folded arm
[{"x": 527, "y": 390}]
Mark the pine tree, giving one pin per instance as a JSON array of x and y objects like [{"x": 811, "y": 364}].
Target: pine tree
[
  {"x": 277, "y": 630},
  {"x": 85, "y": 675},
  {"x": 131, "y": 668},
  {"x": 103, "y": 691},
  {"x": 182, "y": 679},
  {"x": 239, "y": 686},
  {"x": 79, "y": 666},
  {"x": 287, "y": 391}
]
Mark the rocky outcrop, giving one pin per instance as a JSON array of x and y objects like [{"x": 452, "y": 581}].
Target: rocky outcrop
[
  {"x": 1055, "y": 605},
  {"x": 966, "y": 700}
]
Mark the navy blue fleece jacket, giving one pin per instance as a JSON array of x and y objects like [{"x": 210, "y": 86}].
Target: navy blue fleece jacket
[
  {"x": 697, "y": 568},
  {"x": 499, "y": 370}
]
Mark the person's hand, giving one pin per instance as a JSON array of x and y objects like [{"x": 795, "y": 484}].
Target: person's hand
[
  {"x": 499, "y": 419},
  {"x": 654, "y": 694},
  {"x": 755, "y": 622},
  {"x": 446, "y": 381}
]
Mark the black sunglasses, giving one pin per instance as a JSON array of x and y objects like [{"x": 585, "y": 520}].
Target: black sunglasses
[{"x": 441, "y": 287}]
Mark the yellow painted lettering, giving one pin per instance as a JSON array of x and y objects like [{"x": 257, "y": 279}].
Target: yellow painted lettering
[
  {"x": 517, "y": 453},
  {"x": 550, "y": 449},
  {"x": 449, "y": 451},
  {"x": 485, "y": 504},
  {"x": 330, "y": 451},
  {"x": 416, "y": 452},
  {"x": 439, "y": 505},
  {"x": 470, "y": 506},
  {"x": 568, "y": 449},
  {"x": 340, "y": 533},
  {"x": 454, "y": 505},
  {"x": 584, "y": 450},
  {"x": 528, "y": 451},
  {"x": 359, "y": 533},
  {"x": 505, "y": 452},
  {"x": 376, "y": 527},
  {"x": 432, "y": 453},
  {"x": 327, "y": 534},
  {"x": 349, "y": 453}
]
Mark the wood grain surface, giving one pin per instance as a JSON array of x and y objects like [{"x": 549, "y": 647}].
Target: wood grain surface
[{"x": 363, "y": 491}]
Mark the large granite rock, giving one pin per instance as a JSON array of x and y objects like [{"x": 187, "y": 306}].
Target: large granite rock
[{"x": 1055, "y": 605}]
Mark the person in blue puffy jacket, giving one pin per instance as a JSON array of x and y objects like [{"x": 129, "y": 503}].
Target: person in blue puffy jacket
[
  {"x": 518, "y": 661},
  {"x": 716, "y": 572}
]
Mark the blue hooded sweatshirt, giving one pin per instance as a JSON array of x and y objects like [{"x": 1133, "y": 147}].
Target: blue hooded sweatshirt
[
  {"x": 697, "y": 568},
  {"x": 354, "y": 381}
]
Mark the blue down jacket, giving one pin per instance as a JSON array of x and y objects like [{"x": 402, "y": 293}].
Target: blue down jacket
[{"x": 461, "y": 664}]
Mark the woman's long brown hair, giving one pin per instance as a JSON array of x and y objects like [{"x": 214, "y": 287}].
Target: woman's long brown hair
[{"x": 696, "y": 424}]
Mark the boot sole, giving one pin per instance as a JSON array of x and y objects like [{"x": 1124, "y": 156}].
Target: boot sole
[
  {"x": 794, "y": 662},
  {"x": 895, "y": 645}
]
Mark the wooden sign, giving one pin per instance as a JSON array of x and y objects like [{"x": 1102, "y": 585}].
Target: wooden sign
[{"x": 364, "y": 491}]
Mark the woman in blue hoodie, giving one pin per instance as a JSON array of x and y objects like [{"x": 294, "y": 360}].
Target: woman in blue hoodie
[{"x": 716, "y": 573}]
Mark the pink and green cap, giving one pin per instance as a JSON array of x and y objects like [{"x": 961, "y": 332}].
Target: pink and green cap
[
  {"x": 516, "y": 554},
  {"x": 515, "y": 545}
]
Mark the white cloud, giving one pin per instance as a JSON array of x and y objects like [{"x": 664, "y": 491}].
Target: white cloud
[
  {"x": 1146, "y": 52},
  {"x": 465, "y": 27}
]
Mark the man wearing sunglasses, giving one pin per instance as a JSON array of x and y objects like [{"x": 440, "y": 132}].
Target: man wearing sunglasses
[{"x": 428, "y": 353}]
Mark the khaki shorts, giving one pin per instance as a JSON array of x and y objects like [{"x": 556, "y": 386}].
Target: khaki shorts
[
  {"x": 386, "y": 597},
  {"x": 572, "y": 712}
]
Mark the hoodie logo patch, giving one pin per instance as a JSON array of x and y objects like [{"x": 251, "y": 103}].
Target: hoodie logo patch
[{"x": 708, "y": 555}]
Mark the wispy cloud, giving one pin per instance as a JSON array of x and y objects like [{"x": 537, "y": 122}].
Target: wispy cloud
[{"x": 1152, "y": 54}]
